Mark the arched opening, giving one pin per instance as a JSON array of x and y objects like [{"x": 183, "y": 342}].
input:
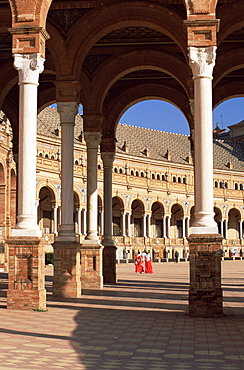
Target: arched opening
[
  {"x": 117, "y": 208},
  {"x": 218, "y": 220},
  {"x": 137, "y": 218},
  {"x": 234, "y": 218},
  {"x": 157, "y": 220},
  {"x": 45, "y": 210},
  {"x": 176, "y": 222}
]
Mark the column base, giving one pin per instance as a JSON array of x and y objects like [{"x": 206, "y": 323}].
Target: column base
[
  {"x": 205, "y": 293},
  {"x": 26, "y": 277},
  {"x": 91, "y": 265},
  {"x": 109, "y": 264},
  {"x": 66, "y": 281}
]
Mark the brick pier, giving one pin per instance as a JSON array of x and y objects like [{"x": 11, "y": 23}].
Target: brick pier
[{"x": 205, "y": 294}]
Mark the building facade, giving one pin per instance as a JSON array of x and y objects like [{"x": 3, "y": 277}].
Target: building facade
[{"x": 152, "y": 189}]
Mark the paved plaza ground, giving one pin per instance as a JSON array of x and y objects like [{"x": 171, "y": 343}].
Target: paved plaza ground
[{"x": 141, "y": 323}]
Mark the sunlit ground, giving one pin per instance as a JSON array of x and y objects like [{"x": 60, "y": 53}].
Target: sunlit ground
[{"x": 141, "y": 323}]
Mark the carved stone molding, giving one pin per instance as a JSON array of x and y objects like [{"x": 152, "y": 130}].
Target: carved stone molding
[
  {"x": 202, "y": 61},
  {"x": 29, "y": 67}
]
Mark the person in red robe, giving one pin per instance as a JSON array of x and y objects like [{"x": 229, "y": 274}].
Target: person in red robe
[
  {"x": 148, "y": 264},
  {"x": 138, "y": 263}
]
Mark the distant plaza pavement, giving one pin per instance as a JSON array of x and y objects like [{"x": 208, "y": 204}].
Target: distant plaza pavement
[{"x": 140, "y": 323}]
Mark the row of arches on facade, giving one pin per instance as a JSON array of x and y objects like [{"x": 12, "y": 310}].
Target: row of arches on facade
[{"x": 138, "y": 217}]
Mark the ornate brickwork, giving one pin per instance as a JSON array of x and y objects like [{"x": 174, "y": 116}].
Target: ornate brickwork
[{"x": 66, "y": 18}]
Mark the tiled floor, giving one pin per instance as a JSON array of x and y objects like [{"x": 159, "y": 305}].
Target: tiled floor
[{"x": 141, "y": 323}]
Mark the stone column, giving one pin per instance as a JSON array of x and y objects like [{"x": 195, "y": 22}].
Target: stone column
[
  {"x": 221, "y": 228},
  {"x": 55, "y": 219},
  {"x": 202, "y": 61},
  {"x": 168, "y": 224},
  {"x": 205, "y": 294},
  {"x": 109, "y": 251},
  {"x": 29, "y": 67},
  {"x": 183, "y": 227},
  {"x": 128, "y": 225},
  {"x": 187, "y": 226},
  {"x": 164, "y": 227},
  {"x": 144, "y": 225},
  {"x": 149, "y": 226},
  {"x": 66, "y": 248},
  {"x": 91, "y": 249},
  {"x": 67, "y": 112},
  {"x": 84, "y": 221},
  {"x": 26, "y": 279},
  {"x": 124, "y": 224},
  {"x": 79, "y": 220}
]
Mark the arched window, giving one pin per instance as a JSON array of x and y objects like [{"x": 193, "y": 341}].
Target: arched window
[
  {"x": 115, "y": 169},
  {"x": 142, "y": 174},
  {"x": 241, "y": 186},
  {"x": 99, "y": 167},
  {"x": 184, "y": 180},
  {"x": 46, "y": 155},
  {"x": 120, "y": 170},
  {"x": 236, "y": 186},
  {"x": 174, "y": 179},
  {"x": 153, "y": 176},
  {"x": 76, "y": 162},
  {"x": 179, "y": 180},
  {"x": 137, "y": 173},
  {"x": 226, "y": 185},
  {"x": 216, "y": 184},
  {"x": 163, "y": 177},
  {"x": 132, "y": 173},
  {"x": 158, "y": 177}
]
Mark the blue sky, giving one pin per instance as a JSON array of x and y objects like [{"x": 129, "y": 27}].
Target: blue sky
[{"x": 160, "y": 115}]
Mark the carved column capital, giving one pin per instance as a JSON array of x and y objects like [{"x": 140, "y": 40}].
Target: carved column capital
[
  {"x": 92, "y": 139},
  {"x": 202, "y": 61},
  {"x": 108, "y": 159},
  {"x": 29, "y": 67},
  {"x": 67, "y": 112}
]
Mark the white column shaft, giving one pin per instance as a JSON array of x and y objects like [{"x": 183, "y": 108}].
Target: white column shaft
[
  {"x": 124, "y": 224},
  {"x": 164, "y": 227},
  {"x": 55, "y": 219},
  {"x": 29, "y": 67},
  {"x": 202, "y": 62},
  {"x": 144, "y": 225},
  {"x": 129, "y": 224},
  {"x": 92, "y": 141},
  {"x": 79, "y": 220},
  {"x": 183, "y": 227},
  {"x": 149, "y": 226}
]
